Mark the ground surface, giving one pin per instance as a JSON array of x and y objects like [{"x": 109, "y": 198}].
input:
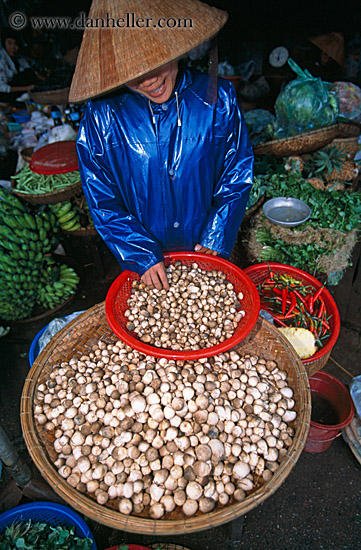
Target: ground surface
[{"x": 319, "y": 503}]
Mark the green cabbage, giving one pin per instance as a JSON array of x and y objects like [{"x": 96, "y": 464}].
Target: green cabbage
[{"x": 306, "y": 103}]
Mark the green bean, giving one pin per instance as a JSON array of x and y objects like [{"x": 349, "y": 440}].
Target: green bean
[{"x": 30, "y": 182}]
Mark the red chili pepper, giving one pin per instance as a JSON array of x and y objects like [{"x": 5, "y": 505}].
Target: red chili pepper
[
  {"x": 279, "y": 316},
  {"x": 313, "y": 298},
  {"x": 300, "y": 297},
  {"x": 277, "y": 291},
  {"x": 280, "y": 322},
  {"x": 325, "y": 324},
  {"x": 293, "y": 304},
  {"x": 284, "y": 300},
  {"x": 322, "y": 308}
]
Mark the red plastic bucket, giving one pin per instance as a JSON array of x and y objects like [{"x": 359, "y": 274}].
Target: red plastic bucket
[{"x": 336, "y": 395}]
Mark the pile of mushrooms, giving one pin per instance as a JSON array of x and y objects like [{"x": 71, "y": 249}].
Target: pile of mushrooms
[
  {"x": 200, "y": 310},
  {"x": 156, "y": 435}
]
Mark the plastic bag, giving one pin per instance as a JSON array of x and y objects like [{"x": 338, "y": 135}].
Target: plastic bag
[
  {"x": 225, "y": 69},
  {"x": 54, "y": 326},
  {"x": 260, "y": 124},
  {"x": 349, "y": 98},
  {"x": 62, "y": 133},
  {"x": 355, "y": 390},
  {"x": 306, "y": 103}
]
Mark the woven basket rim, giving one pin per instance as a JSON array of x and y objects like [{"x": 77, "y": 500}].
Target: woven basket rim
[
  {"x": 83, "y": 232},
  {"x": 49, "y": 198},
  {"x": 103, "y": 514},
  {"x": 58, "y": 96},
  {"x": 311, "y": 140}
]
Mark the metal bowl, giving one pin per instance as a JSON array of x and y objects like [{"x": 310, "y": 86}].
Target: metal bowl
[{"x": 288, "y": 212}]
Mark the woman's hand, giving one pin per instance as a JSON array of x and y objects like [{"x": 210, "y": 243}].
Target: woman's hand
[
  {"x": 156, "y": 277},
  {"x": 205, "y": 250}
]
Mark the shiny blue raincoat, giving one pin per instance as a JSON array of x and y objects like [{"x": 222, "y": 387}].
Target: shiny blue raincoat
[{"x": 165, "y": 177}]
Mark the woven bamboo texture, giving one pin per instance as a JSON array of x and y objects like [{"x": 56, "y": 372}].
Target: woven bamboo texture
[
  {"x": 76, "y": 339},
  {"x": 27, "y": 153},
  {"x": 54, "y": 197},
  {"x": 348, "y": 129},
  {"x": 348, "y": 146},
  {"x": 59, "y": 96},
  {"x": 306, "y": 142},
  {"x": 314, "y": 366}
]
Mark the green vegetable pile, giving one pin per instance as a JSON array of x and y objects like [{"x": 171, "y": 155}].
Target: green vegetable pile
[
  {"x": 29, "y": 275},
  {"x": 336, "y": 210},
  {"x": 32, "y": 183},
  {"x": 41, "y": 536},
  {"x": 324, "y": 243}
]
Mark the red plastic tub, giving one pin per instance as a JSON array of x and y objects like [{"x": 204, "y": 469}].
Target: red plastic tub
[
  {"x": 120, "y": 290},
  {"x": 259, "y": 272},
  {"x": 335, "y": 393}
]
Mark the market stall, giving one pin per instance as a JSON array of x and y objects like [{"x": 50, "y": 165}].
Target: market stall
[
  {"x": 161, "y": 412},
  {"x": 312, "y": 158}
]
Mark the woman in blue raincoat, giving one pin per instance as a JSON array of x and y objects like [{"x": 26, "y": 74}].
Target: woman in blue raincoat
[{"x": 163, "y": 167}]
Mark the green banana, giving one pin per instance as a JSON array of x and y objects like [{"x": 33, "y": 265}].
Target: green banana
[
  {"x": 11, "y": 221},
  {"x": 71, "y": 215},
  {"x": 23, "y": 221},
  {"x": 31, "y": 220},
  {"x": 70, "y": 224},
  {"x": 11, "y": 200},
  {"x": 39, "y": 222},
  {"x": 67, "y": 207},
  {"x": 9, "y": 234},
  {"x": 42, "y": 234}
]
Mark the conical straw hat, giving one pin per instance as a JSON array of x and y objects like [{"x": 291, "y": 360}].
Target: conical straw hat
[
  {"x": 141, "y": 36},
  {"x": 332, "y": 44}
]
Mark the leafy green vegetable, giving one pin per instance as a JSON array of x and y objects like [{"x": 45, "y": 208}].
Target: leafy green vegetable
[
  {"x": 304, "y": 104},
  {"x": 298, "y": 255},
  {"x": 41, "y": 536},
  {"x": 336, "y": 209}
]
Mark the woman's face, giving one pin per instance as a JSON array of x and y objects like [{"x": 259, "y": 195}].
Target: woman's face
[
  {"x": 11, "y": 46},
  {"x": 157, "y": 85}
]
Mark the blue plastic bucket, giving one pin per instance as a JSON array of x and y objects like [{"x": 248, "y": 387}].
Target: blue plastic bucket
[
  {"x": 21, "y": 116},
  {"x": 34, "y": 348},
  {"x": 47, "y": 512}
]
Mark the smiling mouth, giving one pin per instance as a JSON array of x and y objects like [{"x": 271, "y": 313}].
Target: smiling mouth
[{"x": 158, "y": 91}]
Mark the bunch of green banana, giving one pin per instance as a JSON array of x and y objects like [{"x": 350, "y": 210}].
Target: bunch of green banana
[
  {"x": 67, "y": 215},
  {"x": 51, "y": 291},
  {"x": 25, "y": 239},
  {"x": 24, "y": 235}
]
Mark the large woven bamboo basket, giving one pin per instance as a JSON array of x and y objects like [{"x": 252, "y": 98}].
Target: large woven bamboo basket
[
  {"x": 59, "y": 96},
  {"x": 349, "y": 146},
  {"x": 76, "y": 339},
  {"x": 307, "y": 142},
  {"x": 53, "y": 197}
]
